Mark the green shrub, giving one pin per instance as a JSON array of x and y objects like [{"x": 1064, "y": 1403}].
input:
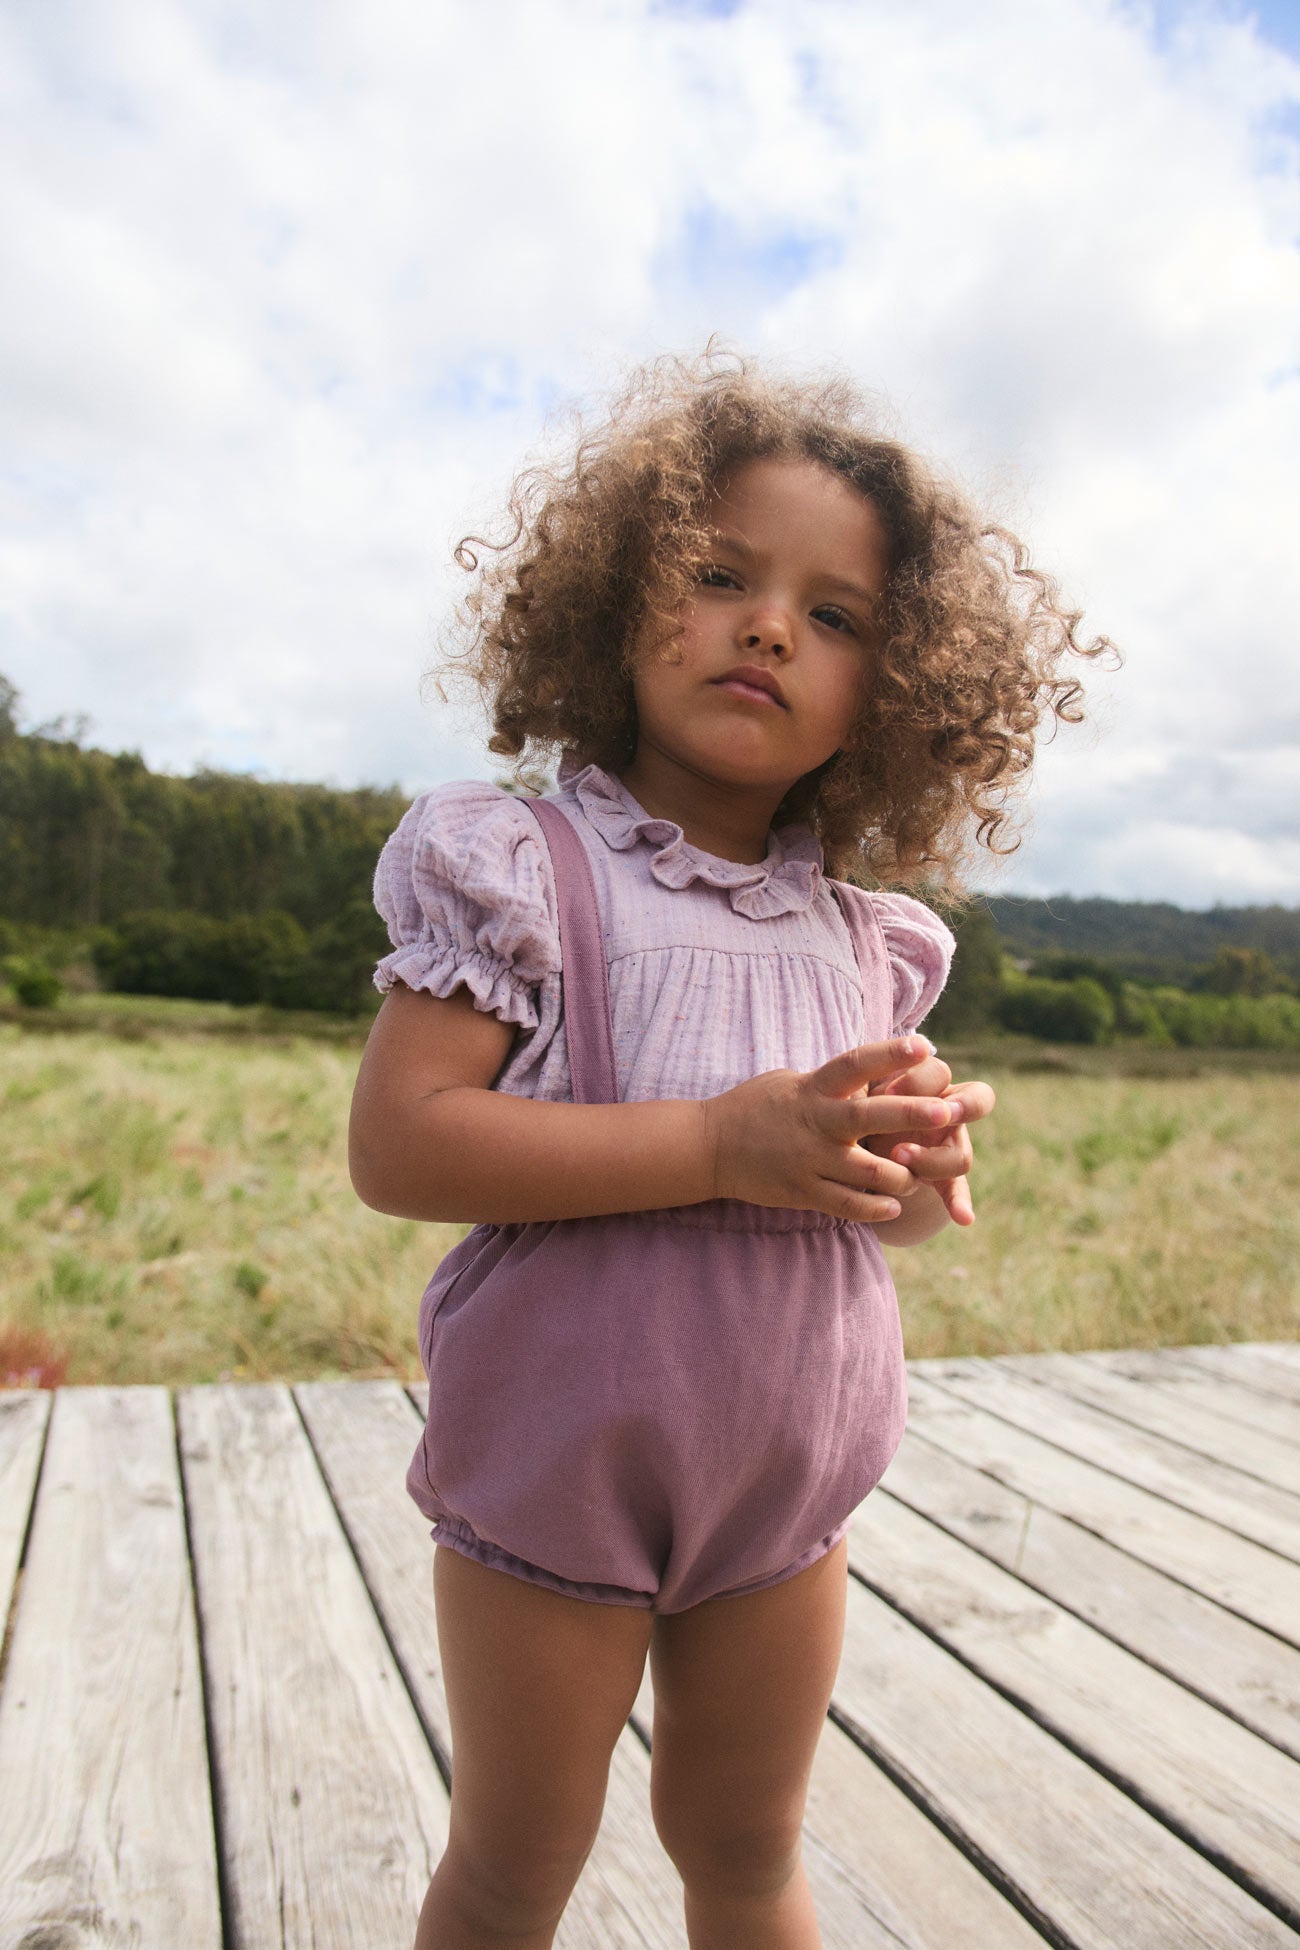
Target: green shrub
[
  {"x": 1060, "y": 967},
  {"x": 264, "y": 958},
  {"x": 1229, "y": 1021},
  {"x": 1139, "y": 1015},
  {"x": 1062, "y": 1012},
  {"x": 160, "y": 953},
  {"x": 1242, "y": 971},
  {"x": 33, "y": 981},
  {"x": 337, "y": 964}
]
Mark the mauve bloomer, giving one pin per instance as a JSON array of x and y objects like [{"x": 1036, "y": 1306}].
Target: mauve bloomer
[{"x": 660, "y": 1408}]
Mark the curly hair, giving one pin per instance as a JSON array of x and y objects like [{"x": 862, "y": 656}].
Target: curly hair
[{"x": 969, "y": 636}]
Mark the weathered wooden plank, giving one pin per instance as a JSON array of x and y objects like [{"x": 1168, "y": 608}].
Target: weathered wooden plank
[
  {"x": 882, "y": 1875},
  {"x": 364, "y": 1433},
  {"x": 1245, "y": 1671},
  {"x": 106, "y": 1832},
  {"x": 1094, "y": 1868},
  {"x": 1193, "y": 1425},
  {"x": 1288, "y": 1351},
  {"x": 1252, "y": 1367},
  {"x": 1249, "y": 1508},
  {"x": 23, "y": 1415},
  {"x": 1234, "y": 1572},
  {"x": 330, "y": 1809},
  {"x": 1179, "y": 1380},
  {"x": 1231, "y": 1794},
  {"x": 905, "y": 1877}
]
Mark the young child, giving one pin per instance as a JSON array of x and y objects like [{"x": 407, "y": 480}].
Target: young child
[{"x": 638, "y": 1035}]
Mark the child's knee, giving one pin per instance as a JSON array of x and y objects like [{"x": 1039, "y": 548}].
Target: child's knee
[
  {"x": 515, "y": 1890},
  {"x": 731, "y": 1856}
]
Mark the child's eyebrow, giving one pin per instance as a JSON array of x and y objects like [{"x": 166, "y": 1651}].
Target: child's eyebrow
[
  {"x": 737, "y": 544},
  {"x": 866, "y": 596}
]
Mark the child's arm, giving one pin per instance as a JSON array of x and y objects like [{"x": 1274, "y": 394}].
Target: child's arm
[{"x": 430, "y": 1139}]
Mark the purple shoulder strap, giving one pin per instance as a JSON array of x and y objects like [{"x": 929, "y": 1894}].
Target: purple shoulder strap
[
  {"x": 588, "y": 1029},
  {"x": 868, "y": 939}
]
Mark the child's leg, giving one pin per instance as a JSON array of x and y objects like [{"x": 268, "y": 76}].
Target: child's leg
[
  {"x": 538, "y": 1689},
  {"x": 741, "y": 1691}
]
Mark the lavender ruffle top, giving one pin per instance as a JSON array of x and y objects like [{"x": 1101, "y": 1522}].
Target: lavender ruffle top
[{"x": 718, "y": 970}]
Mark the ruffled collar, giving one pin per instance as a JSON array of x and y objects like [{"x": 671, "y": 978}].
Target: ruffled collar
[{"x": 785, "y": 882}]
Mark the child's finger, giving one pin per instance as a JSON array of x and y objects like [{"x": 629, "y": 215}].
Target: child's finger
[
  {"x": 863, "y": 1117},
  {"x": 978, "y": 1100},
  {"x": 955, "y": 1193},
  {"x": 868, "y": 1063},
  {"x": 951, "y": 1158},
  {"x": 882, "y": 1177},
  {"x": 929, "y": 1078}
]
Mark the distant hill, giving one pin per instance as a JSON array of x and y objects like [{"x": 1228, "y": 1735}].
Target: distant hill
[{"x": 1145, "y": 940}]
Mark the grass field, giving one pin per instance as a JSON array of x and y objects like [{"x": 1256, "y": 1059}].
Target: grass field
[{"x": 174, "y": 1206}]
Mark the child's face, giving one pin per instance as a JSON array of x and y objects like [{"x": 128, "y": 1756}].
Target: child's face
[{"x": 799, "y": 562}]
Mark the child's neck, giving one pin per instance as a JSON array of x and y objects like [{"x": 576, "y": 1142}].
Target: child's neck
[{"x": 730, "y": 822}]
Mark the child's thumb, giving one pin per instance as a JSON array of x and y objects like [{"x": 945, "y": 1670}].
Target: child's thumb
[{"x": 870, "y": 1063}]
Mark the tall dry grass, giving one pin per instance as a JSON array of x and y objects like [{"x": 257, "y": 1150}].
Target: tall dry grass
[
  {"x": 1119, "y": 1212},
  {"x": 178, "y": 1209}
]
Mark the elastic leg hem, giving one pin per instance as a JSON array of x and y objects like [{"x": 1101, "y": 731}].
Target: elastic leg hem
[
  {"x": 455, "y": 1534},
  {"x": 803, "y": 1562}
]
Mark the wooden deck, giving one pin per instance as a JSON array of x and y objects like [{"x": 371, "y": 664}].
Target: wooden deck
[{"x": 1068, "y": 1709}]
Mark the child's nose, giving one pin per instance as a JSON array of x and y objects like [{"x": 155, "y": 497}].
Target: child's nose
[{"x": 768, "y": 629}]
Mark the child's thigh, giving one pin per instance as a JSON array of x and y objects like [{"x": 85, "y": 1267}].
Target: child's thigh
[
  {"x": 539, "y": 1686},
  {"x": 741, "y": 1691}
]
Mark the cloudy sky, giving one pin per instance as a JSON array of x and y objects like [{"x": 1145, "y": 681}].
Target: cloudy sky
[{"x": 290, "y": 291}]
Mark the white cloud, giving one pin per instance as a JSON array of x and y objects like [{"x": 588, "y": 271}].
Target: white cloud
[{"x": 294, "y": 288}]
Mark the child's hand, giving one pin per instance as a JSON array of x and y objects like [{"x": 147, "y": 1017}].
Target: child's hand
[
  {"x": 790, "y": 1138},
  {"x": 942, "y": 1158}
]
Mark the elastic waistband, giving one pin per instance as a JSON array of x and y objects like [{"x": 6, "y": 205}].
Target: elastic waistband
[
  {"x": 736, "y": 1215},
  {"x": 714, "y": 1215}
]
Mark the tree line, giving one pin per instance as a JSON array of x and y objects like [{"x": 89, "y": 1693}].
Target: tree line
[
  {"x": 224, "y": 887},
  {"x": 218, "y": 885}
]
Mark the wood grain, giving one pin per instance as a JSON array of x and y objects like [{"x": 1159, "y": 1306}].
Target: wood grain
[
  {"x": 1164, "y": 1370},
  {"x": 1236, "y": 1573},
  {"x": 105, "y": 1815},
  {"x": 1269, "y": 1371},
  {"x": 905, "y": 1878},
  {"x": 23, "y": 1417},
  {"x": 1286, "y": 1351},
  {"x": 1246, "y": 1672},
  {"x": 1198, "y": 1426},
  {"x": 1092, "y": 1866},
  {"x": 331, "y": 1810},
  {"x": 1198, "y": 1482},
  {"x": 1231, "y": 1794}
]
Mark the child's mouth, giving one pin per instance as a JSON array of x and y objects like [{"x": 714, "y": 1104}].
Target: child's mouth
[{"x": 737, "y": 687}]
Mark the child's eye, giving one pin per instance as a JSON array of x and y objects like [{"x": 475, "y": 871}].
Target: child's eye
[
  {"x": 716, "y": 577},
  {"x": 836, "y": 619}
]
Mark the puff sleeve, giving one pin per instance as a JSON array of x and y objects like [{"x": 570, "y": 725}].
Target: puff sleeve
[
  {"x": 920, "y": 950},
  {"x": 466, "y": 890}
]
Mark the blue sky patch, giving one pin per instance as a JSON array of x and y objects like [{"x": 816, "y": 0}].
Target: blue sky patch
[
  {"x": 715, "y": 254},
  {"x": 1275, "y": 21},
  {"x": 709, "y": 9}
]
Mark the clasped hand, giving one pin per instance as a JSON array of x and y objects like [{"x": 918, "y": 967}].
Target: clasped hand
[{"x": 852, "y": 1138}]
